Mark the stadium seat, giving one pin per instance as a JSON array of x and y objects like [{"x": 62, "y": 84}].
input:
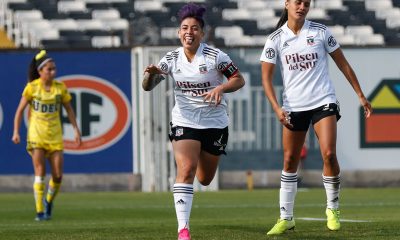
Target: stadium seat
[
  {"x": 375, "y": 39},
  {"x": 64, "y": 24},
  {"x": 329, "y": 4},
  {"x": 71, "y": 6},
  {"x": 143, "y": 5},
  {"x": 381, "y": 4},
  {"x": 106, "y": 14},
  {"x": 106, "y": 41}
]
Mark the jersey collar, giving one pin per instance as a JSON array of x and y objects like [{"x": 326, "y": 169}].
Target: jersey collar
[{"x": 287, "y": 30}]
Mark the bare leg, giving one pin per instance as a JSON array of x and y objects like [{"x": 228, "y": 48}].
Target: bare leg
[
  {"x": 187, "y": 156},
  {"x": 207, "y": 167},
  {"x": 325, "y": 129}
]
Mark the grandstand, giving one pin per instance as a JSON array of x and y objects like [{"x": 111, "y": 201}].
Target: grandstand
[{"x": 65, "y": 24}]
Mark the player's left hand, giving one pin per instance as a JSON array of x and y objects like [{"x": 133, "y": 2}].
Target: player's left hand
[
  {"x": 367, "y": 107},
  {"x": 213, "y": 96}
]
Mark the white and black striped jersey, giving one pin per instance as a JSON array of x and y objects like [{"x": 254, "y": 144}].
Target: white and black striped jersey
[
  {"x": 205, "y": 72},
  {"x": 304, "y": 65}
]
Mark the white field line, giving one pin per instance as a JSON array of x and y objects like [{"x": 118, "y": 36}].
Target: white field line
[{"x": 324, "y": 219}]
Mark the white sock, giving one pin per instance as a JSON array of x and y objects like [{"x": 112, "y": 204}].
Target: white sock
[
  {"x": 287, "y": 194},
  {"x": 183, "y": 198},
  {"x": 332, "y": 189}
]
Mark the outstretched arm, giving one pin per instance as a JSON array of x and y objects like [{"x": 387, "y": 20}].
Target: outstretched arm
[
  {"x": 348, "y": 72},
  {"x": 152, "y": 77},
  {"x": 17, "y": 120}
]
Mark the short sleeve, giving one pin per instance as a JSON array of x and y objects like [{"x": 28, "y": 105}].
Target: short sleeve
[
  {"x": 270, "y": 52},
  {"x": 225, "y": 65},
  {"x": 165, "y": 63},
  {"x": 65, "y": 95},
  {"x": 27, "y": 93},
  {"x": 330, "y": 42}
]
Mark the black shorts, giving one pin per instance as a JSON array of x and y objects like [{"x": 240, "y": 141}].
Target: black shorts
[
  {"x": 301, "y": 120},
  {"x": 213, "y": 140}
]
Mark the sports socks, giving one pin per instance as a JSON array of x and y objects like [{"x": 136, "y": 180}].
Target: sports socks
[
  {"x": 183, "y": 198},
  {"x": 332, "y": 189},
  {"x": 38, "y": 191},
  {"x": 52, "y": 190},
  {"x": 287, "y": 194}
]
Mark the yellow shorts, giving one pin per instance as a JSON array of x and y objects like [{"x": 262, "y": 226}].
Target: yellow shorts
[{"x": 48, "y": 148}]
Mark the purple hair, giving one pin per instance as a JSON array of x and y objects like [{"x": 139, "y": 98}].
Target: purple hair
[{"x": 194, "y": 11}]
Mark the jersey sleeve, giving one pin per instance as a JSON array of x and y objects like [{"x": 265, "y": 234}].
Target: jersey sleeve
[
  {"x": 65, "y": 95},
  {"x": 165, "y": 63},
  {"x": 226, "y": 66},
  {"x": 270, "y": 52},
  {"x": 330, "y": 42},
  {"x": 27, "y": 93}
]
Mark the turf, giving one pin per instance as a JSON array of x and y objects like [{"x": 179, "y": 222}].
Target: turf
[{"x": 231, "y": 215}]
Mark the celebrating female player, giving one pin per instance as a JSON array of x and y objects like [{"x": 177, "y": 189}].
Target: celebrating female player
[{"x": 199, "y": 126}]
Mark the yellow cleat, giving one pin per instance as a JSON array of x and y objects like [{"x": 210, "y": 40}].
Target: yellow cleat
[
  {"x": 332, "y": 216},
  {"x": 282, "y": 226}
]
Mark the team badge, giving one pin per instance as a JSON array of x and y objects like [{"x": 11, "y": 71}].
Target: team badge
[
  {"x": 222, "y": 66},
  {"x": 163, "y": 66},
  {"x": 203, "y": 68},
  {"x": 269, "y": 53},
  {"x": 310, "y": 41},
  {"x": 332, "y": 41}
]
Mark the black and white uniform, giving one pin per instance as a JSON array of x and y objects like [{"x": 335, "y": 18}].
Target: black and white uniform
[
  {"x": 304, "y": 65},
  {"x": 204, "y": 73}
]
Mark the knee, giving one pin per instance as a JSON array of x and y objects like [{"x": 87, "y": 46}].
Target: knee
[
  {"x": 205, "y": 181},
  {"x": 186, "y": 174},
  {"x": 329, "y": 156}
]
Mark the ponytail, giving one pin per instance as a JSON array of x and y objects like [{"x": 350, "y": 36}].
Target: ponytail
[
  {"x": 32, "y": 71},
  {"x": 283, "y": 19}
]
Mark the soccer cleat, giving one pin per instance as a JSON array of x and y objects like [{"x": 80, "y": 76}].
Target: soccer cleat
[
  {"x": 282, "y": 226},
  {"x": 40, "y": 217},
  {"x": 48, "y": 208},
  {"x": 333, "y": 221},
  {"x": 184, "y": 234}
]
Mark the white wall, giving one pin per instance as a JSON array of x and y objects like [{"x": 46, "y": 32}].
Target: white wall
[{"x": 371, "y": 67}]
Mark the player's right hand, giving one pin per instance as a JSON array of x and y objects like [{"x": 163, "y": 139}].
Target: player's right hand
[{"x": 284, "y": 118}]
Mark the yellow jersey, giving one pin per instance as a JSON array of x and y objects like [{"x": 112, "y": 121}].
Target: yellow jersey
[{"x": 44, "y": 128}]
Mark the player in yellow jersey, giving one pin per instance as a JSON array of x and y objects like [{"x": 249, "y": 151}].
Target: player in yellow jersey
[{"x": 45, "y": 97}]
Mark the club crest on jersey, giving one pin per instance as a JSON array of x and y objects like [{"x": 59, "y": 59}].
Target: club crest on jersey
[
  {"x": 203, "y": 68},
  {"x": 310, "y": 41}
]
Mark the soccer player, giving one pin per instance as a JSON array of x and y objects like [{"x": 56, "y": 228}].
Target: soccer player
[
  {"x": 301, "y": 47},
  {"x": 199, "y": 126},
  {"x": 44, "y": 139}
]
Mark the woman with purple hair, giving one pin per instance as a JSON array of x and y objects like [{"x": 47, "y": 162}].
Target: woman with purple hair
[{"x": 199, "y": 125}]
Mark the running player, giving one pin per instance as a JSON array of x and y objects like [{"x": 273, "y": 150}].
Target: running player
[
  {"x": 44, "y": 139},
  {"x": 301, "y": 48},
  {"x": 199, "y": 126}
]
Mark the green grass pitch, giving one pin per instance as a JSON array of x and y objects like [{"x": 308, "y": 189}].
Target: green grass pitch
[{"x": 228, "y": 215}]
